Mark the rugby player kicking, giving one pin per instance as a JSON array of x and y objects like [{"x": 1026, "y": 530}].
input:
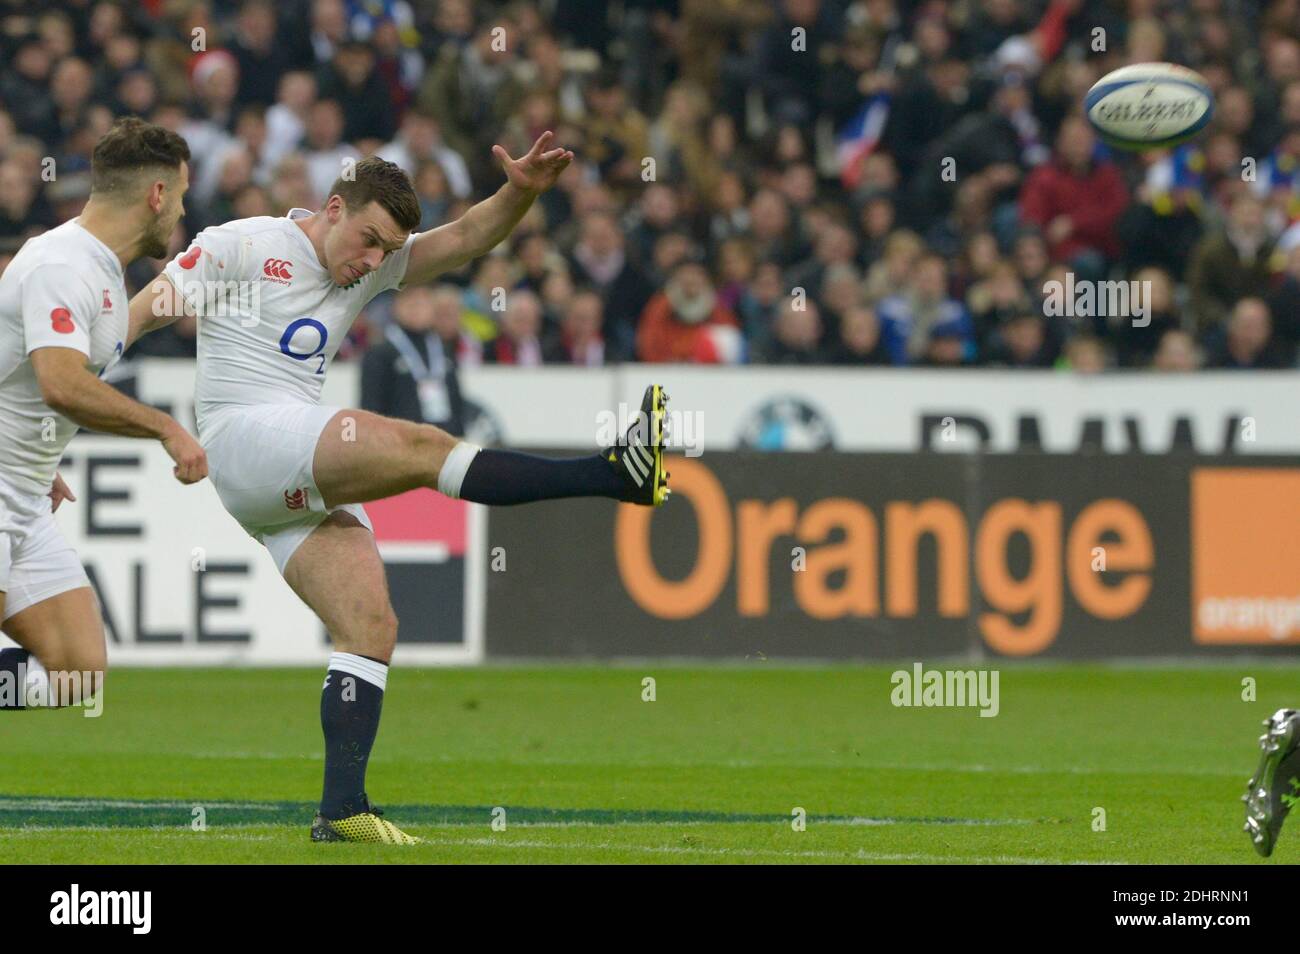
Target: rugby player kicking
[
  {"x": 63, "y": 323},
  {"x": 294, "y": 473}
]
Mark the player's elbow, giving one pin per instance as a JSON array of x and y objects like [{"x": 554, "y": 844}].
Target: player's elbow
[
  {"x": 56, "y": 393},
  {"x": 58, "y": 387}
]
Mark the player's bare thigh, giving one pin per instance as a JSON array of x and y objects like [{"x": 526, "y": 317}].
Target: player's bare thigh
[
  {"x": 64, "y": 632},
  {"x": 338, "y": 573},
  {"x": 361, "y": 456}
]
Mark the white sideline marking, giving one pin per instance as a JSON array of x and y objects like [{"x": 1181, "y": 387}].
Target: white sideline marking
[
  {"x": 95, "y": 804},
  {"x": 748, "y": 852},
  {"x": 434, "y": 841}
]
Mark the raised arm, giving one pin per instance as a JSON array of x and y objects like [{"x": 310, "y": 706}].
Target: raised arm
[{"x": 480, "y": 229}]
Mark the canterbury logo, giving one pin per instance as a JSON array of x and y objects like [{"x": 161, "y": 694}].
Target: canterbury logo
[
  {"x": 278, "y": 269},
  {"x": 639, "y": 462},
  {"x": 296, "y": 500}
]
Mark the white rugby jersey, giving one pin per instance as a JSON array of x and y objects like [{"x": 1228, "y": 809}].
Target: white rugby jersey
[
  {"x": 270, "y": 317},
  {"x": 64, "y": 289}
]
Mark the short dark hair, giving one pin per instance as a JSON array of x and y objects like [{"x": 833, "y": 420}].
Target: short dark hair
[
  {"x": 378, "y": 180},
  {"x": 133, "y": 147}
]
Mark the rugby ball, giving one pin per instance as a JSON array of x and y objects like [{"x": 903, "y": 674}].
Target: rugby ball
[{"x": 1149, "y": 105}]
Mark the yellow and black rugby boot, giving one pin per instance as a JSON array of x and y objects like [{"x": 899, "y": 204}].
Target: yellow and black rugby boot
[
  {"x": 1274, "y": 789},
  {"x": 365, "y": 826},
  {"x": 639, "y": 457}
]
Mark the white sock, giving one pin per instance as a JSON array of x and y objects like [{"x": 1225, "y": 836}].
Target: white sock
[
  {"x": 454, "y": 468},
  {"x": 36, "y": 685},
  {"x": 375, "y": 673}
]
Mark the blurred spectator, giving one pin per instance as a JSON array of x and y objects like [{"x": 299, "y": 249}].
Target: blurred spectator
[
  {"x": 287, "y": 119},
  {"x": 23, "y": 86},
  {"x": 329, "y": 28},
  {"x": 215, "y": 88},
  {"x": 1021, "y": 342},
  {"x": 994, "y": 300},
  {"x": 411, "y": 374},
  {"x": 1177, "y": 351},
  {"x": 419, "y": 141},
  {"x": 894, "y": 268},
  {"x": 1135, "y": 342},
  {"x": 471, "y": 90},
  {"x": 910, "y": 319},
  {"x": 945, "y": 348},
  {"x": 789, "y": 74},
  {"x": 796, "y": 335},
  {"x": 580, "y": 330},
  {"x": 1077, "y": 201},
  {"x": 1230, "y": 263},
  {"x": 23, "y": 209},
  {"x": 258, "y": 52},
  {"x": 523, "y": 341},
  {"x": 775, "y": 233},
  {"x": 859, "y": 341},
  {"x": 617, "y": 135},
  {"x": 351, "y": 80},
  {"x": 675, "y": 317},
  {"x": 326, "y": 151},
  {"x": 1248, "y": 343},
  {"x": 599, "y": 260},
  {"x": 1085, "y": 355}
]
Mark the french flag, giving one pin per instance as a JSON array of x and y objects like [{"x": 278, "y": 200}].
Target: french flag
[{"x": 859, "y": 137}]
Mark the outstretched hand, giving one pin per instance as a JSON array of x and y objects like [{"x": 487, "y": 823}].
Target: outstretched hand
[{"x": 538, "y": 170}]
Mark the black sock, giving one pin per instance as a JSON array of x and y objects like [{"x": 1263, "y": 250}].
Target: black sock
[
  {"x": 13, "y": 690},
  {"x": 349, "y": 714},
  {"x": 501, "y": 477}
]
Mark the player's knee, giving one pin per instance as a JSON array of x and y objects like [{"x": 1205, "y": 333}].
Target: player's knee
[
  {"x": 384, "y": 630},
  {"x": 371, "y": 633},
  {"x": 431, "y": 442}
]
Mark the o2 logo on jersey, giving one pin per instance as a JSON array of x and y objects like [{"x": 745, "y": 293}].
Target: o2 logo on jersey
[{"x": 321, "y": 333}]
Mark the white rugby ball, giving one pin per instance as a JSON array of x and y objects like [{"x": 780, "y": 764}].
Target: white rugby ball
[{"x": 1149, "y": 105}]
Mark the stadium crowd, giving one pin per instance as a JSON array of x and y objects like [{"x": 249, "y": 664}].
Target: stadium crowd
[{"x": 875, "y": 182}]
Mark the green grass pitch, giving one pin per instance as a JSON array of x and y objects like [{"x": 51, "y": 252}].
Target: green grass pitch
[{"x": 710, "y": 771}]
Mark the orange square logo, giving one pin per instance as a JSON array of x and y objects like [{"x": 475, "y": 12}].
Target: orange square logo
[{"x": 1245, "y": 555}]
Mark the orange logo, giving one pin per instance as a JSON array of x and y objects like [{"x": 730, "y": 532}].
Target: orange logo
[
  {"x": 1245, "y": 555},
  {"x": 860, "y": 563}
]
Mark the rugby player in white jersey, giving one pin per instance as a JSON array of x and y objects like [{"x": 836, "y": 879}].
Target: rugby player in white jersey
[
  {"x": 63, "y": 322},
  {"x": 294, "y": 473}
]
